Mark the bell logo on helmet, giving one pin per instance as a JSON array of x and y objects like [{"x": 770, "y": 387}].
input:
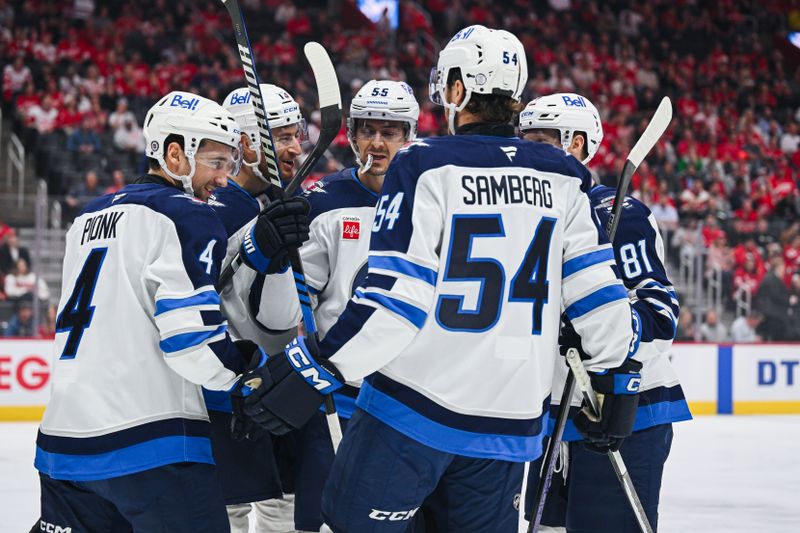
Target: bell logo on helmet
[
  {"x": 578, "y": 102},
  {"x": 186, "y": 103},
  {"x": 241, "y": 98}
]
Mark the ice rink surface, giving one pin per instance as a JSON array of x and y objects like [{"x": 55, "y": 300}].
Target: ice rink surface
[{"x": 724, "y": 475}]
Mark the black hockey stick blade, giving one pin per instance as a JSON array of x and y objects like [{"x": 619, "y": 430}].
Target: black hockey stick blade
[
  {"x": 658, "y": 125},
  {"x": 330, "y": 108},
  {"x": 253, "y": 84}
]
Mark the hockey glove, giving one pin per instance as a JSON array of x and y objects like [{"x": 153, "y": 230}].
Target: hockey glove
[
  {"x": 618, "y": 395},
  {"x": 300, "y": 381},
  {"x": 569, "y": 338},
  {"x": 257, "y": 374},
  {"x": 281, "y": 227}
]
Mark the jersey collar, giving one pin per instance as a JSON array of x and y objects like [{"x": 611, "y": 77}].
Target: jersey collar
[
  {"x": 152, "y": 178},
  {"x": 355, "y": 177},
  {"x": 242, "y": 189},
  {"x": 495, "y": 129}
]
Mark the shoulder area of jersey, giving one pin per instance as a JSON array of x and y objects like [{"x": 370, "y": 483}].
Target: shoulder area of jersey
[
  {"x": 326, "y": 183},
  {"x": 341, "y": 190},
  {"x": 602, "y": 199},
  {"x": 168, "y": 201}
]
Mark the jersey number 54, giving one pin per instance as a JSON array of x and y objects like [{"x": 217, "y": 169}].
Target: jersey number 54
[{"x": 529, "y": 283}]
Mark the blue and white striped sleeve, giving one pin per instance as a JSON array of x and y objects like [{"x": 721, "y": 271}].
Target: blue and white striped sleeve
[
  {"x": 593, "y": 297},
  {"x": 186, "y": 307},
  {"x": 652, "y": 295},
  {"x": 397, "y": 296}
]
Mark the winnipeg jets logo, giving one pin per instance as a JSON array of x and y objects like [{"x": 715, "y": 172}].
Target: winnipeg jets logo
[
  {"x": 510, "y": 151},
  {"x": 317, "y": 186},
  {"x": 212, "y": 200},
  {"x": 118, "y": 196}
]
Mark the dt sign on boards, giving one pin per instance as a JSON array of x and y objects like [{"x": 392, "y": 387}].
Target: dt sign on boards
[{"x": 766, "y": 378}]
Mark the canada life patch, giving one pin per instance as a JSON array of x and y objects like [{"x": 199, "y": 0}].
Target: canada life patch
[{"x": 351, "y": 228}]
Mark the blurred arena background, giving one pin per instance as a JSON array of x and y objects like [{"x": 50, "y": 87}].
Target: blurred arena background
[{"x": 78, "y": 76}]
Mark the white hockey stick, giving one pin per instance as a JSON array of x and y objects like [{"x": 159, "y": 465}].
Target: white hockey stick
[{"x": 655, "y": 129}]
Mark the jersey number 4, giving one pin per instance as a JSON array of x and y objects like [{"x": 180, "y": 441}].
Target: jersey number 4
[
  {"x": 529, "y": 284},
  {"x": 78, "y": 311}
]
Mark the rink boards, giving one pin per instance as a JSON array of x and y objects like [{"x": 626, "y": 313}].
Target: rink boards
[{"x": 717, "y": 379}]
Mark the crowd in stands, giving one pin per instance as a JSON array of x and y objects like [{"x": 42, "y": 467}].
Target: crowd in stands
[
  {"x": 20, "y": 288},
  {"x": 723, "y": 181}
]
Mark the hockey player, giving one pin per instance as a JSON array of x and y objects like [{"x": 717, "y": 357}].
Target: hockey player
[
  {"x": 383, "y": 117},
  {"x": 124, "y": 443},
  {"x": 456, "y": 322},
  {"x": 588, "y": 496},
  {"x": 247, "y": 467}
]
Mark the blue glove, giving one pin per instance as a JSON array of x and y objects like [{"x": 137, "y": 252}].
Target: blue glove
[
  {"x": 281, "y": 227},
  {"x": 299, "y": 382}
]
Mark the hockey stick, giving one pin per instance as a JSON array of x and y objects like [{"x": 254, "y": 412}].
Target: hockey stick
[
  {"x": 248, "y": 65},
  {"x": 655, "y": 129},
  {"x": 551, "y": 454},
  {"x": 330, "y": 104},
  {"x": 585, "y": 385}
]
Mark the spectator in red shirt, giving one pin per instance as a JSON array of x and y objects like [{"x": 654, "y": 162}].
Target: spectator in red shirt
[
  {"x": 746, "y": 218},
  {"x": 791, "y": 255},
  {"x": 747, "y": 277},
  {"x": 749, "y": 251},
  {"x": 299, "y": 25}
]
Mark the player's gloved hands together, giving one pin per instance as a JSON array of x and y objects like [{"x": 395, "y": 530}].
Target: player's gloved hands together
[
  {"x": 256, "y": 375},
  {"x": 300, "y": 379},
  {"x": 281, "y": 227},
  {"x": 618, "y": 395}
]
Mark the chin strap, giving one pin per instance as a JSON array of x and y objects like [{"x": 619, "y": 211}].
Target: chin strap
[
  {"x": 367, "y": 166},
  {"x": 186, "y": 180},
  {"x": 254, "y": 167},
  {"x": 362, "y": 167},
  {"x": 451, "y": 116}
]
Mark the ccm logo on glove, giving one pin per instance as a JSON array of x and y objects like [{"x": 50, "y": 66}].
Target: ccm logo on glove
[{"x": 313, "y": 373}]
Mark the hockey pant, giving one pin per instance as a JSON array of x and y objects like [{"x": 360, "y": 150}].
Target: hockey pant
[
  {"x": 591, "y": 499},
  {"x": 179, "y": 498},
  {"x": 380, "y": 478}
]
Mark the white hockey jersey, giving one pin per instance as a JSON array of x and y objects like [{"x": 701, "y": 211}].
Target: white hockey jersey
[
  {"x": 334, "y": 259},
  {"x": 246, "y": 300},
  {"x": 638, "y": 256},
  {"x": 139, "y": 330},
  {"x": 457, "y": 323}
]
